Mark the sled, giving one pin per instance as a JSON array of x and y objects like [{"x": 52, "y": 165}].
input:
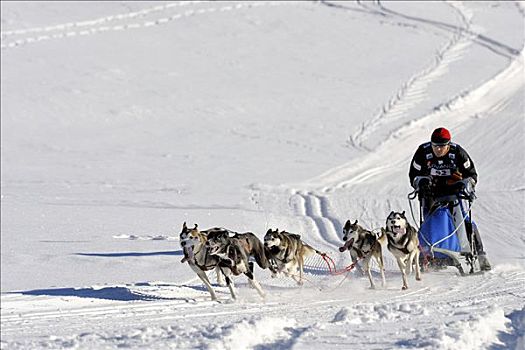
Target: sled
[{"x": 445, "y": 240}]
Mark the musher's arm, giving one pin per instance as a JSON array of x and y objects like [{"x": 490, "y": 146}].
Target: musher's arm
[
  {"x": 466, "y": 165},
  {"x": 418, "y": 165}
]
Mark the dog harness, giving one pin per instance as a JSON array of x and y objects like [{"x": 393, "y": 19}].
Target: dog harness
[
  {"x": 284, "y": 260},
  {"x": 203, "y": 267},
  {"x": 404, "y": 245},
  {"x": 371, "y": 240}
]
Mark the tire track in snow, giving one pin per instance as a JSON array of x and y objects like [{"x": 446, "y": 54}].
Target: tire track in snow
[{"x": 414, "y": 91}]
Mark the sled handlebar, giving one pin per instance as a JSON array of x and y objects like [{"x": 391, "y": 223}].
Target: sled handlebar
[
  {"x": 447, "y": 198},
  {"x": 452, "y": 197}
]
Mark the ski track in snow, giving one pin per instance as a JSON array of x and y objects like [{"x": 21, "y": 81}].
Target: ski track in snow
[
  {"x": 119, "y": 21},
  {"x": 414, "y": 90},
  {"x": 90, "y": 23},
  {"x": 487, "y": 99},
  {"x": 315, "y": 208}
]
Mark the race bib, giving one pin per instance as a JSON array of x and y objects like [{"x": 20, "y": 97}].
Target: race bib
[{"x": 440, "y": 172}]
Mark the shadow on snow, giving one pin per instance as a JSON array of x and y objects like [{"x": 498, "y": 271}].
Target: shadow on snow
[
  {"x": 132, "y": 254},
  {"x": 108, "y": 293}
]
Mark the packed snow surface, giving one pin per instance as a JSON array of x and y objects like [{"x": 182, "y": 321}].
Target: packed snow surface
[{"x": 120, "y": 121}]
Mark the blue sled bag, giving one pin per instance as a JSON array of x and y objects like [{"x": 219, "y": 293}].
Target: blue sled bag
[{"x": 435, "y": 232}]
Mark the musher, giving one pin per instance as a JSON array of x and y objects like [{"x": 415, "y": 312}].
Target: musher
[{"x": 442, "y": 168}]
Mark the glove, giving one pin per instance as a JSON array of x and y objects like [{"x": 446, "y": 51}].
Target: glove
[
  {"x": 422, "y": 184},
  {"x": 454, "y": 178},
  {"x": 421, "y": 181},
  {"x": 467, "y": 186}
]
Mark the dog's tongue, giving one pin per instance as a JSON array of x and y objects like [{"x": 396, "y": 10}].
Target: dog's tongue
[{"x": 400, "y": 230}]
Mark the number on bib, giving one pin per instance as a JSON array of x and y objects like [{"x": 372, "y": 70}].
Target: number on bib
[{"x": 440, "y": 172}]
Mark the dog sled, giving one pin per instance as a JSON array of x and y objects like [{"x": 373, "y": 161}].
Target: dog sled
[{"x": 447, "y": 233}]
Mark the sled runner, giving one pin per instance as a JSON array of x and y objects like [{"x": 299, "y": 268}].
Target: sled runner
[{"x": 447, "y": 239}]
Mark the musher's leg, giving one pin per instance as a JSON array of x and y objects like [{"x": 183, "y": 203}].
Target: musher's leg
[
  {"x": 458, "y": 213},
  {"x": 484, "y": 263}
]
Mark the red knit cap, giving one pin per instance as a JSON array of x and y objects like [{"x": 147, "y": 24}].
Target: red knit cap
[{"x": 440, "y": 136}]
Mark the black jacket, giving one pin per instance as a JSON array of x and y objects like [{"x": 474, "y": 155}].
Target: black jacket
[{"x": 444, "y": 171}]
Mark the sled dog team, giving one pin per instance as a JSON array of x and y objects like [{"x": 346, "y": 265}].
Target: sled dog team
[{"x": 228, "y": 252}]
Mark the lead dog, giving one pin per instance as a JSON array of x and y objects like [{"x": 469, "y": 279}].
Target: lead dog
[
  {"x": 234, "y": 250},
  {"x": 364, "y": 244},
  {"x": 403, "y": 243},
  {"x": 286, "y": 252},
  {"x": 193, "y": 243}
]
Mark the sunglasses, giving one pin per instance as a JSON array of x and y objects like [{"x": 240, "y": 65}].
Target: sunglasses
[{"x": 440, "y": 144}]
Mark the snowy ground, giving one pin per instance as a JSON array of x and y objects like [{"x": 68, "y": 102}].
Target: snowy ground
[{"x": 122, "y": 120}]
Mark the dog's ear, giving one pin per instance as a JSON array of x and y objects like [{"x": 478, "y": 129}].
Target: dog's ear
[
  {"x": 389, "y": 216},
  {"x": 403, "y": 214},
  {"x": 196, "y": 226},
  {"x": 355, "y": 223},
  {"x": 269, "y": 231},
  {"x": 348, "y": 223},
  {"x": 184, "y": 227}
]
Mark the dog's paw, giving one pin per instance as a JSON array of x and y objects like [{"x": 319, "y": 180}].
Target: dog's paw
[
  {"x": 418, "y": 278},
  {"x": 404, "y": 288}
]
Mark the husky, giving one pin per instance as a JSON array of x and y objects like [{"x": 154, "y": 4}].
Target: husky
[
  {"x": 286, "y": 253},
  {"x": 248, "y": 241},
  {"x": 403, "y": 243},
  {"x": 234, "y": 250},
  {"x": 364, "y": 244},
  {"x": 193, "y": 243}
]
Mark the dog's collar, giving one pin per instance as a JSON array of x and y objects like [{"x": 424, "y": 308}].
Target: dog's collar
[{"x": 197, "y": 251}]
